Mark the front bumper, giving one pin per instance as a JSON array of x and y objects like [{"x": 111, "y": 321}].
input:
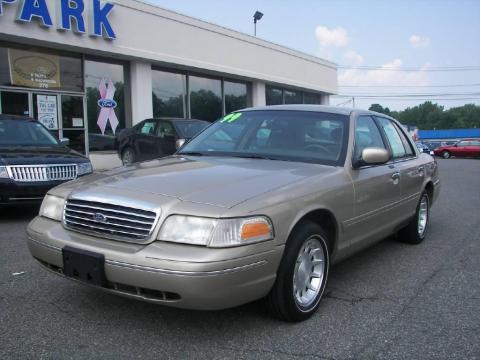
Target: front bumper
[
  {"x": 17, "y": 193},
  {"x": 172, "y": 274}
]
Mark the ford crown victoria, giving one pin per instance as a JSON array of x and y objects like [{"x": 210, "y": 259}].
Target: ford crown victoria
[{"x": 258, "y": 205}]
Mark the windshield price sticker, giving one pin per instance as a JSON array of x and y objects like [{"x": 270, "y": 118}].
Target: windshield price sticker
[{"x": 231, "y": 117}]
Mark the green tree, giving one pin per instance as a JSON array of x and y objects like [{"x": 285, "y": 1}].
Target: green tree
[{"x": 428, "y": 116}]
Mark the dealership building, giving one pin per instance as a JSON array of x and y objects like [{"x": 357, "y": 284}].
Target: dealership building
[{"x": 88, "y": 68}]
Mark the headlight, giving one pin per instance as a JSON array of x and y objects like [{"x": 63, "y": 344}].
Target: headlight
[
  {"x": 52, "y": 207},
  {"x": 3, "y": 172},
  {"x": 216, "y": 232},
  {"x": 85, "y": 168}
]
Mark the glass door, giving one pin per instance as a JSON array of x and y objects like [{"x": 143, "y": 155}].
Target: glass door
[
  {"x": 73, "y": 122},
  {"x": 14, "y": 103}
]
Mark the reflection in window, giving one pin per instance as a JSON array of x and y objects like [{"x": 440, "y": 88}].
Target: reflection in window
[
  {"x": 235, "y": 96},
  {"x": 279, "y": 96},
  {"x": 312, "y": 98},
  {"x": 205, "y": 98},
  {"x": 274, "y": 96},
  {"x": 110, "y": 74},
  {"x": 169, "y": 94},
  {"x": 293, "y": 97}
]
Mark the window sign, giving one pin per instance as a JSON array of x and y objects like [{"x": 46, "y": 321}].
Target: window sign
[
  {"x": 47, "y": 111},
  {"x": 34, "y": 70},
  {"x": 107, "y": 105}
]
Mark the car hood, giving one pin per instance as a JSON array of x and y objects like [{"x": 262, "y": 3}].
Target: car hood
[
  {"x": 218, "y": 181},
  {"x": 32, "y": 155}
]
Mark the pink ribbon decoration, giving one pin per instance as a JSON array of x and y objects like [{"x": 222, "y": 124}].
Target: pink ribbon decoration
[{"x": 107, "y": 105}]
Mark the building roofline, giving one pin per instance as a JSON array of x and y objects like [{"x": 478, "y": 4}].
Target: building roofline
[{"x": 142, "y": 5}]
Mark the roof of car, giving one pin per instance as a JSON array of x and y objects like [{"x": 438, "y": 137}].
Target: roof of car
[
  {"x": 319, "y": 108},
  {"x": 176, "y": 119},
  {"x": 15, "y": 117}
]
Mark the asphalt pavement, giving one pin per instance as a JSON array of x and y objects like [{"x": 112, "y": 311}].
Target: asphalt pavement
[{"x": 391, "y": 301}]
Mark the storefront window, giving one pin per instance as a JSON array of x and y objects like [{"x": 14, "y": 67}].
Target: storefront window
[
  {"x": 235, "y": 96},
  {"x": 274, "y": 96},
  {"x": 293, "y": 97},
  {"x": 105, "y": 92},
  {"x": 40, "y": 70},
  {"x": 312, "y": 98},
  {"x": 169, "y": 94},
  {"x": 205, "y": 98}
]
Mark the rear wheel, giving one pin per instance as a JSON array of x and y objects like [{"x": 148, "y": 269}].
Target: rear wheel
[
  {"x": 128, "y": 156},
  {"x": 415, "y": 231},
  {"x": 302, "y": 275},
  {"x": 446, "y": 154}
]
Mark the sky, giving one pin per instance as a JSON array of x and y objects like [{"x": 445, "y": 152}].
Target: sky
[{"x": 429, "y": 37}]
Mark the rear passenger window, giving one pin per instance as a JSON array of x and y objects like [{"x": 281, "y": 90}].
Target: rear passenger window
[
  {"x": 148, "y": 127},
  {"x": 367, "y": 135},
  {"x": 396, "y": 143}
]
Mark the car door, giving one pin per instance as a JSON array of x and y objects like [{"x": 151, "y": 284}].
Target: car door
[
  {"x": 145, "y": 142},
  {"x": 166, "y": 138},
  {"x": 405, "y": 160},
  {"x": 460, "y": 148},
  {"x": 475, "y": 148},
  {"x": 377, "y": 189}
]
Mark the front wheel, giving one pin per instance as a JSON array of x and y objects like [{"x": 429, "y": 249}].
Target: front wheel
[
  {"x": 128, "y": 157},
  {"x": 446, "y": 154},
  {"x": 302, "y": 275},
  {"x": 415, "y": 231}
]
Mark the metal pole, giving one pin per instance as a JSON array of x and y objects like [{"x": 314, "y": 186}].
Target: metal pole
[
  {"x": 255, "y": 26},
  {"x": 353, "y": 99}
]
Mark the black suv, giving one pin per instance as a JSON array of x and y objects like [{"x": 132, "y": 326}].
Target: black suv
[
  {"x": 154, "y": 138},
  {"x": 32, "y": 161}
]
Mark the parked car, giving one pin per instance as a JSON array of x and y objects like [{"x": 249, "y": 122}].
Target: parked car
[
  {"x": 154, "y": 138},
  {"x": 423, "y": 148},
  {"x": 32, "y": 161},
  {"x": 463, "y": 148},
  {"x": 259, "y": 204}
]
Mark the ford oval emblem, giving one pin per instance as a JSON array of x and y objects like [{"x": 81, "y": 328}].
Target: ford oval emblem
[
  {"x": 107, "y": 103},
  {"x": 99, "y": 217}
]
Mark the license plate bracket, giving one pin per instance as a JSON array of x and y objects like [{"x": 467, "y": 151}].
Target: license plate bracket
[{"x": 85, "y": 266}]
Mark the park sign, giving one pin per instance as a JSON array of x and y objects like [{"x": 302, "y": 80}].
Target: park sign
[{"x": 72, "y": 15}]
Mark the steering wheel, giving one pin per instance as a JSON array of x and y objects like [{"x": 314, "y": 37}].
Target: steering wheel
[{"x": 313, "y": 147}]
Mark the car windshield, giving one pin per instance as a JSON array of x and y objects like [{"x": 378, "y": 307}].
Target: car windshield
[
  {"x": 303, "y": 136},
  {"x": 189, "y": 129},
  {"x": 24, "y": 133}
]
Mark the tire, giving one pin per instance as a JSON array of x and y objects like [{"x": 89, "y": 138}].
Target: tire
[
  {"x": 286, "y": 300},
  {"x": 128, "y": 156},
  {"x": 446, "y": 154},
  {"x": 416, "y": 230}
]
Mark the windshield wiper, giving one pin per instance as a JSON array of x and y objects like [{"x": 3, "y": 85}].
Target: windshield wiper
[
  {"x": 255, "y": 156},
  {"x": 192, "y": 153}
]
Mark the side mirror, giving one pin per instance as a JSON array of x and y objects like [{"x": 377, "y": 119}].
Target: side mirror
[
  {"x": 179, "y": 143},
  {"x": 65, "y": 141},
  {"x": 456, "y": 145},
  {"x": 373, "y": 156}
]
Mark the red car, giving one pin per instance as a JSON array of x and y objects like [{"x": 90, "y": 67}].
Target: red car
[{"x": 463, "y": 148}]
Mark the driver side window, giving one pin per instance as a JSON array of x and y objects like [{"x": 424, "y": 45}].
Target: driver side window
[{"x": 367, "y": 135}]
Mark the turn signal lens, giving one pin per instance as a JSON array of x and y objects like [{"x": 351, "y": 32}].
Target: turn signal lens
[
  {"x": 255, "y": 230},
  {"x": 241, "y": 231}
]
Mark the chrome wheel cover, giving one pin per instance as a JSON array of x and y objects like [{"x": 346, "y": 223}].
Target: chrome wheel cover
[
  {"x": 309, "y": 272},
  {"x": 127, "y": 158},
  {"x": 422, "y": 216}
]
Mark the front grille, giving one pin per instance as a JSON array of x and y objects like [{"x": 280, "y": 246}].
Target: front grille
[
  {"x": 108, "y": 220},
  {"x": 37, "y": 173}
]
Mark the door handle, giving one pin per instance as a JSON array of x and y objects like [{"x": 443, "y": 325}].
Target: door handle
[{"x": 396, "y": 176}]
